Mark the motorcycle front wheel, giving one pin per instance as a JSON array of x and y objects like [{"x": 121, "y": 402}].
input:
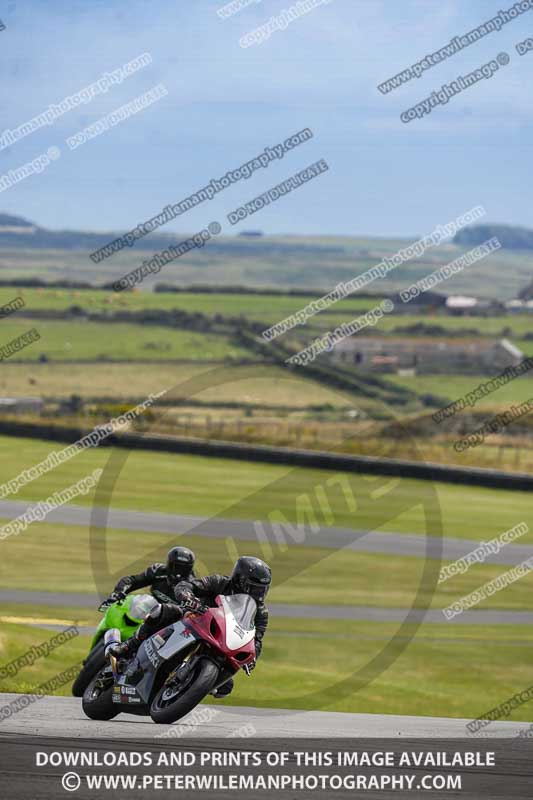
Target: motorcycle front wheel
[
  {"x": 97, "y": 700},
  {"x": 172, "y": 702},
  {"x": 92, "y": 664}
]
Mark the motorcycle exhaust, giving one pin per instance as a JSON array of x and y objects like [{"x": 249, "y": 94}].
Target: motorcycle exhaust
[{"x": 111, "y": 638}]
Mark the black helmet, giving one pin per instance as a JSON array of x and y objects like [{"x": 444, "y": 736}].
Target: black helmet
[
  {"x": 180, "y": 562},
  {"x": 252, "y": 576}
]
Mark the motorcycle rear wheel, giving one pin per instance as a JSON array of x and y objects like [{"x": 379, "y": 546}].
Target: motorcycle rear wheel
[
  {"x": 203, "y": 682},
  {"x": 98, "y": 703}
]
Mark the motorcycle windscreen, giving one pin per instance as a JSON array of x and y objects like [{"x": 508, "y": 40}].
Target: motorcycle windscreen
[
  {"x": 140, "y": 606},
  {"x": 240, "y": 611}
]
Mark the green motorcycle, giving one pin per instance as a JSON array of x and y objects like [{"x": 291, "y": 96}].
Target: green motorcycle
[{"x": 126, "y": 615}]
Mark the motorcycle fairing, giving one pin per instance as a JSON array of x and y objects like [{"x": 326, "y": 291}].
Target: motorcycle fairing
[
  {"x": 151, "y": 655},
  {"x": 127, "y": 616},
  {"x": 239, "y": 612}
]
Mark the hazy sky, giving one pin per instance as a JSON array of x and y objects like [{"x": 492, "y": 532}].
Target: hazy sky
[{"x": 226, "y": 103}]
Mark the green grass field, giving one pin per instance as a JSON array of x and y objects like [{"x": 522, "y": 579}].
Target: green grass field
[
  {"x": 448, "y": 670},
  {"x": 267, "y": 308},
  {"x": 88, "y": 341},
  {"x": 518, "y": 324},
  {"x": 272, "y": 385},
  {"x": 273, "y": 307},
  {"x": 282, "y": 261},
  {"x": 462, "y": 672},
  {"x": 77, "y": 341},
  {"x": 183, "y": 484},
  {"x": 303, "y": 575},
  {"x": 453, "y": 387}
]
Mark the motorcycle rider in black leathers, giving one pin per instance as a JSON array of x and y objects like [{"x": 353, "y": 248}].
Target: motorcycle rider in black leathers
[
  {"x": 162, "y": 578},
  {"x": 250, "y": 575}
]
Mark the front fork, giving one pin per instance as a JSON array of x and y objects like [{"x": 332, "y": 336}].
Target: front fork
[
  {"x": 182, "y": 670},
  {"x": 111, "y": 638}
]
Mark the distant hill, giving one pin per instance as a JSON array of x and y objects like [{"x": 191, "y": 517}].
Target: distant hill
[
  {"x": 509, "y": 236},
  {"x": 527, "y": 292},
  {"x": 29, "y": 252},
  {"x": 11, "y": 224},
  {"x": 19, "y": 232}
]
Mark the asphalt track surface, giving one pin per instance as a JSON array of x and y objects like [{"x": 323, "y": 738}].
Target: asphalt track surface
[
  {"x": 63, "y": 717},
  {"x": 400, "y": 544},
  {"x": 350, "y": 613}
]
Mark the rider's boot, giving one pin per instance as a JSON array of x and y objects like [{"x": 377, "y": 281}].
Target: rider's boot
[{"x": 125, "y": 650}]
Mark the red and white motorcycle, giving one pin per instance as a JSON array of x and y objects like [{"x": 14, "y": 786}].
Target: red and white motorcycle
[{"x": 178, "y": 666}]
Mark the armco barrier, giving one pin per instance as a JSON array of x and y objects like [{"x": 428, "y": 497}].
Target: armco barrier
[{"x": 470, "y": 476}]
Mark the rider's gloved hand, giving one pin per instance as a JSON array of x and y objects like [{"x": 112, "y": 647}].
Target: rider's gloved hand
[
  {"x": 193, "y": 604},
  {"x": 116, "y": 596},
  {"x": 182, "y": 595},
  {"x": 188, "y": 601}
]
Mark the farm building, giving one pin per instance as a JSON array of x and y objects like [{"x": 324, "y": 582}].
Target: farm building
[{"x": 426, "y": 354}]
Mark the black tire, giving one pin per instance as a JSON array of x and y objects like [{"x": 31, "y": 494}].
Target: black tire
[
  {"x": 99, "y": 704},
  {"x": 92, "y": 664},
  {"x": 205, "y": 680}
]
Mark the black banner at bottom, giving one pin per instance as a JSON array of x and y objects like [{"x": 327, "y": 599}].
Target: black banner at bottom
[{"x": 44, "y": 767}]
